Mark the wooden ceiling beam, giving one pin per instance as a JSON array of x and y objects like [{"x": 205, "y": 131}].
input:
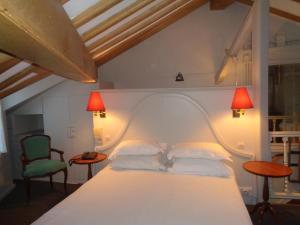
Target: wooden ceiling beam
[
  {"x": 106, "y": 24},
  {"x": 220, "y": 4},
  {"x": 135, "y": 30},
  {"x": 19, "y": 76},
  {"x": 155, "y": 27},
  {"x": 49, "y": 34},
  {"x": 94, "y": 11},
  {"x": 275, "y": 11},
  {"x": 154, "y": 9},
  {"x": 246, "y": 2},
  {"x": 4, "y": 57},
  {"x": 63, "y": 1},
  {"x": 24, "y": 84},
  {"x": 8, "y": 64},
  {"x": 285, "y": 14}
]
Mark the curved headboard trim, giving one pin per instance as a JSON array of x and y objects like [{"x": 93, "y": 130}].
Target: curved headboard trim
[{"x": 199, "y": 107}]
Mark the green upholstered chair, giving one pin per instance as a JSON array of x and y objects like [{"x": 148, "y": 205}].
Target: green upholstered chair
[{"x": 37, "y": 162}]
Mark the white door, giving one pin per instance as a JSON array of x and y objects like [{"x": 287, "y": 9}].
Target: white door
[{"x": 56, "y": 125}]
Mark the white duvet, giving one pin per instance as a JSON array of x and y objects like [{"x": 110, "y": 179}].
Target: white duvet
[{"x": 151, "y": 198}]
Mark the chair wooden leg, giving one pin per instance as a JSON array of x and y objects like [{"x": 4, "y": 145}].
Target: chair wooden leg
[
  {"x": 298, "y": 141},
  {"x": 51, "y": 182},
  {"x": 27, "y": 186},
  {"x": 65, "y": 180}
]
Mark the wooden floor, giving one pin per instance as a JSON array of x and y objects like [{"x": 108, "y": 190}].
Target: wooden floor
[
  {"x": 15, "y": 211},
  {"x": 288, "y": 213}
]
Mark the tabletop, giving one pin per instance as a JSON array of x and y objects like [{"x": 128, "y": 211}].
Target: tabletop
[
  {"x": 270, "y": 169},
  {"x": 77, "y": 159}
]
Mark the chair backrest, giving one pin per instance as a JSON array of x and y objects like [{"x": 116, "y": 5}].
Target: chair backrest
[{"x": 36, "y": 147}]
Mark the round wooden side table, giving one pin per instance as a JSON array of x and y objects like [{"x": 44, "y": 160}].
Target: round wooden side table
[
  {"x": 77, "y": 160},
  {"x": 266, "y": 170}
]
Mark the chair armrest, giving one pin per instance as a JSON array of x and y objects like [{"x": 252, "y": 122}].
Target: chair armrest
[
  {"x": 24, "y": 161},
  {"x": 59, "y": 152}
]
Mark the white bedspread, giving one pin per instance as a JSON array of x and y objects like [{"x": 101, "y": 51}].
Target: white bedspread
[{"x": 151, "y": 198}]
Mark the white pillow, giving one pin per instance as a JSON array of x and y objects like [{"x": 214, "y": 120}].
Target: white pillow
[
  {"x": 137, "y": 147},
  {"x": 149, "y": 162},
  {"x": 203, "y": 167},
  {"x": 205, "y": 150}
]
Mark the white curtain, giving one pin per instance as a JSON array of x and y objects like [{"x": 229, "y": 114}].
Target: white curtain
[{"x": 3, "y": 147}]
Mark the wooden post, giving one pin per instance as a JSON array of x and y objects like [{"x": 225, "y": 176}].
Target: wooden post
[
  {"x": 274, "y": 129},
  {"x": 285, "y": 160},
  {"x": 260, "y": 47}
]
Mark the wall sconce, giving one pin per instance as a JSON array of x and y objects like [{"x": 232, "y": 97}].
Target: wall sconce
[
  {"x": 179, "y": 77},
  {"x": 96, "y": 104},
  {"x": 240, "y": 102}
]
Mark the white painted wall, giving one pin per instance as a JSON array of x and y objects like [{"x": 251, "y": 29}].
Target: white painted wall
[
  {"x": 194, "y": 45},
  {"x": 64, "y": 107},
  {"x": 278, "y": 25}
]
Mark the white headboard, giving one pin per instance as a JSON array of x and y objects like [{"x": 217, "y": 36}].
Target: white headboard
[{"x": 170, "y": 117}]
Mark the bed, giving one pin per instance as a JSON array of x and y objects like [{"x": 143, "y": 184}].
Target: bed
[
  {"x": 133, "y": 197},
  {"x": 140, "y": 197}
]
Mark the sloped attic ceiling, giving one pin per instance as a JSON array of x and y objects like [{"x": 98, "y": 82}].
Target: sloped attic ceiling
[{"x": 109, "y": 27}]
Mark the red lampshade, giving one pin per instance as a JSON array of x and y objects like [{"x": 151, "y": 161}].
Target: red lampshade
[
  {"x": 95, "y": 102},
  {"x": 241, "y": 99}
]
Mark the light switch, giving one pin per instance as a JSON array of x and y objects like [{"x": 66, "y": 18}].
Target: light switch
[
  {"x": 72, "y": 132},
  {"x": 241, "y": 145}
]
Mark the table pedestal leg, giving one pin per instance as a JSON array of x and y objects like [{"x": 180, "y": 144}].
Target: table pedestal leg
[
  {"x": 90, "y": 171},
  {"x": 263, "y": 207}
]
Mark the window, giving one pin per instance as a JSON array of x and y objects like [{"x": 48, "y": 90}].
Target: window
[
  {"x": 284, "y": 97},
  {"x": 2, "y": 132}
]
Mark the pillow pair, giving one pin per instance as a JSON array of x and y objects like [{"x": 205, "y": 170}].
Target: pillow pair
[
  {"x": 138, "y": 154},
  {"x": 200, "y": 158}
]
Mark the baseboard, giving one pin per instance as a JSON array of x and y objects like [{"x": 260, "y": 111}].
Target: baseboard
[
  {"x": 6, "y": 190},
  {"x": 249, "y": 199}
]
